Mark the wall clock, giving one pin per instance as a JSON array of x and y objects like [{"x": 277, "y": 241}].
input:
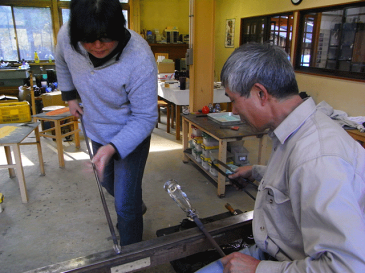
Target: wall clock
[{"x": 296, "y": 2}]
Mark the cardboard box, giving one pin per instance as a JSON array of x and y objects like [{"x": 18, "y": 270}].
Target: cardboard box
[
  {"x": 166, "y": 67},
  {"x": 52, "y": 98}
]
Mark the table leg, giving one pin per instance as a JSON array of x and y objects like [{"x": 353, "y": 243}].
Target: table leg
[
  {"x": 168, "y": 113},
  {"x": 9, "y": 160},
  {"x": 222, "y": 156},
  {"x": 185, "y": 141},
  {"x": 39, "y": 149},
  {"x": 20, "y": 173},
  {"x": 172, "y": 115},
  {"x": 178, "y": 124},
  {"x": 59, "y": 143}
]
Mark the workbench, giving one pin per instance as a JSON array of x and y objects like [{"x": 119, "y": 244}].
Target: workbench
[
  {"x": 224, "y": 136},
  {"x": 357, "y": 135},
  {"x": 161, "y": 250},
  {"x": 12, "y": 136}
]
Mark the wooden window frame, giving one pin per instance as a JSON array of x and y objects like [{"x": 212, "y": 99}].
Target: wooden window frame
[{"x": 326, "y": 72}]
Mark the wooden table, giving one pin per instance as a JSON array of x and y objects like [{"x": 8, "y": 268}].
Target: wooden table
[
  {"x": 179, "y": 98},
  {"x": 12, "y": 136},
  {"x": 223, "y": 136},
  {"x": 60, "y": 118},
  {"x": 357, "y": 135}
]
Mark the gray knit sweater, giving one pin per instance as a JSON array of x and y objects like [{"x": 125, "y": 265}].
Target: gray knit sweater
[{"x": 119, "y": 97}]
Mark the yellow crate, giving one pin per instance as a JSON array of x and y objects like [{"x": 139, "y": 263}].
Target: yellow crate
[{"x": 15, "y": 112}]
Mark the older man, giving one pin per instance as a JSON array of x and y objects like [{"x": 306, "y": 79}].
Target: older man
[{"x": 310, "y": 205}]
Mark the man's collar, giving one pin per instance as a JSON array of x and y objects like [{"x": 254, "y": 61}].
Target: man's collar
[{"x": 295, "y": 120}]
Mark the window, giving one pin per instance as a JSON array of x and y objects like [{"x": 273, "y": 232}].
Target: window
[
  {"x": 29, "y": 31},
  {"x": 275, "y": 29},
  {"x": 332, "y": 41},
  {"x": 65, "y": 15}
]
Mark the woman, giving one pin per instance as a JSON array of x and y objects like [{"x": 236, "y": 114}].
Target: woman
[{"x": 114, "y": 72}]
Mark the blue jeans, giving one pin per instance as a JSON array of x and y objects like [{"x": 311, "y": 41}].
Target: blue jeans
[{"x": 123, "y": 180}]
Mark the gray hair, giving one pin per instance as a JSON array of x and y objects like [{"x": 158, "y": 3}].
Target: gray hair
[{"x": 259, "y": 63}]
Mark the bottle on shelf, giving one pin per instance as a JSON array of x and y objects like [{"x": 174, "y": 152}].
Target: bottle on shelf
[{"x": 36, "y": 58}]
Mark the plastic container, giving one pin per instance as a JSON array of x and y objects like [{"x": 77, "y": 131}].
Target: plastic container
[
  {"x": 206, "y": 147},
  {"x": 212, "y": 171},
  {"x": 196, "y": 155},
  {"x": 205, "y": 162},
  {"x": 197, "y": 144},
  {"x": 196, "y": 132},
  {"x": 36, "y": 57},
  {"x": 15, "y": 112},
  {"x": 191, "y": 144},
  {"x": 209, "y": 141}
]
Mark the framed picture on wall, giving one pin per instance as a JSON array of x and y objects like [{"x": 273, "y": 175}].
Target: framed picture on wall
[{"x": 229, "y": 37}]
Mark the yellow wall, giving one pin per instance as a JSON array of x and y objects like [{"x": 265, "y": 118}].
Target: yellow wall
[
  {"x": 163, "y": 13},
  {"x": 345, "y": 95}
]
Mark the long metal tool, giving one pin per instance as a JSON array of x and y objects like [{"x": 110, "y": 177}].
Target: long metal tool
[
  {"x": 175, "y": 192},
  {"x": 233, "y": 181},
  {"x": 105, "y": 206}
]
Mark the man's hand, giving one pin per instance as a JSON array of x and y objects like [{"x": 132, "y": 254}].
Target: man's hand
[
  {"x": 244, "y": 172},
  {"x": 239, "y": 262},
  {"x": 75, "y": 108},
  {"x": 102, "y": 158}
]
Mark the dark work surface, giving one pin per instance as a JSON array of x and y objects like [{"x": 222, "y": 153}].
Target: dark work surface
[{"x": 222, "y": 131}]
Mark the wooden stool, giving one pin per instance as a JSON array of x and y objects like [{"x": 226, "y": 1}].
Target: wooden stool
[
  {"x": 14, "y": 139},
  {"x": 61, "y": 118},
  {"x": 162, "y": 103}
]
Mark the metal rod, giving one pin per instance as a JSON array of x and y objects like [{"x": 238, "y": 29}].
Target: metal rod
[
  {"x": 233, "y": 181},
  {"x": 105, "y": 206},
  {"x": 207, "y": 234},
  {"x": 180, "y": 197}
]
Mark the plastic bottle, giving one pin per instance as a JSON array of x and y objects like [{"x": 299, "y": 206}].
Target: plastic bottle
[
  {"x": 36, "y": 58},
  {"x": 50, "y": 57}
]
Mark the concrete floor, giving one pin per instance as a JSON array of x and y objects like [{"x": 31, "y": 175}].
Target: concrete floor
[{"x": 64, "y": 217}]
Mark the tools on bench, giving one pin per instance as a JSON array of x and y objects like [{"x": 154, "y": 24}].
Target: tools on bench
[{"x": 233, "y": 181}]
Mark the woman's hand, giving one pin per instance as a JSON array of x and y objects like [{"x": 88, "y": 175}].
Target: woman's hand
[
  {"x": 102, "y": 158},
  {"x": 75, "y": 108}
]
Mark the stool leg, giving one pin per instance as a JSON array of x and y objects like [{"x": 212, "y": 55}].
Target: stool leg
[
  {"x": 77, "y": 134},
  {"x": 59, "y": 144},
  {"x": 20, "y": 173},
  {"x": 39, "y": 148},
  {"x": 9, "y": 160}
]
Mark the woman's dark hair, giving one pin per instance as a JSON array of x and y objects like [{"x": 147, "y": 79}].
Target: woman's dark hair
[{"x": 91, "y": 20}]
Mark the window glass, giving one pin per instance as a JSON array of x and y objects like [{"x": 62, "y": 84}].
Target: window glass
[
  {"x": 125, "y": 13},
  {"x": 65, "y": 15},
  {"x": 333, "y": 41},
  {"x": 34, "y": 32},
  {"x": 275, "y": 29},
  {"x": 8, "y": 48}
]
